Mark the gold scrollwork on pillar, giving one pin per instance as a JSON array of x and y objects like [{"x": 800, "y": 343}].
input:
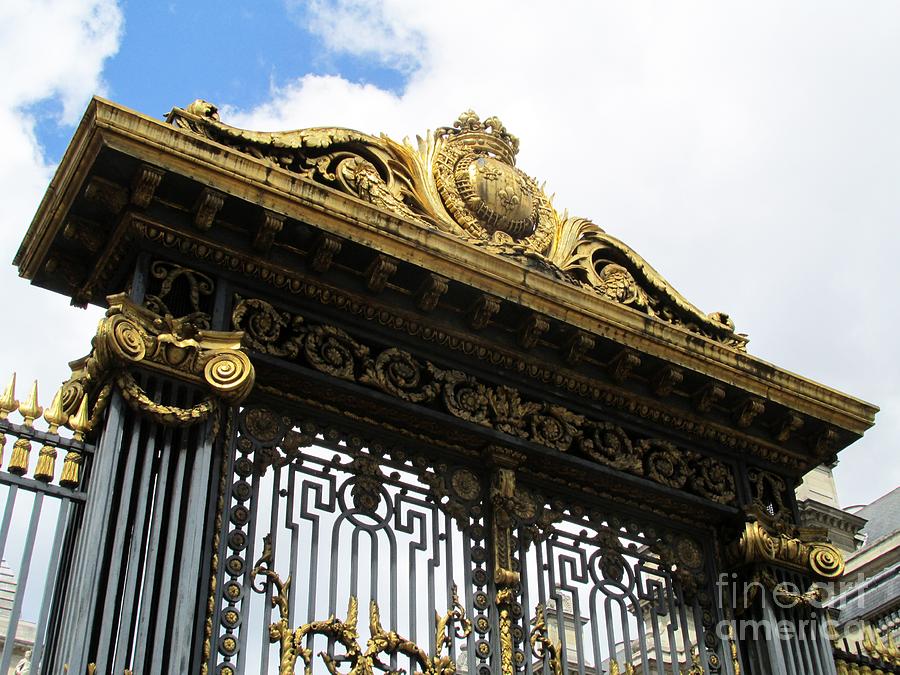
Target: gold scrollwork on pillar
[
  {"x": 503, "y": 501},
  {"x": 760, "y": 543},
  {"x": 132, "y": 336}
]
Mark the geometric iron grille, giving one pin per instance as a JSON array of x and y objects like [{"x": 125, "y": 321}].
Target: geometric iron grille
[
  {"x": 322, "y": 528},
  {"x": 610, "y": 599},
  {"x": 341, "y": 555}
]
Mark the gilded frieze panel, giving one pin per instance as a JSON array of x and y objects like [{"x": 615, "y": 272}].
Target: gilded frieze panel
[
  {"x": 306, "y": 287},
  {"x": 394, "y": 371}
]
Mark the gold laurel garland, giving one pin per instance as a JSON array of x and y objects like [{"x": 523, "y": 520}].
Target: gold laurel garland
[{"x": 166, "y": 415}]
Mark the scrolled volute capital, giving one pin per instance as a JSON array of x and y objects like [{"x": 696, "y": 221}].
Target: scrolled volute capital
[
  {"x": 133, "y": 337},
  {"x": 761, "y": 544},
  {"x": 230, "y": 374}
]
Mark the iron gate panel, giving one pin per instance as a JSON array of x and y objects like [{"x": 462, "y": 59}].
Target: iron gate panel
[
  {"x": 319, "y": 526},
  {"x": 607, "y": 590},
  {"x": 42, "y": 489},
  {"x": 344, "y": 520}
]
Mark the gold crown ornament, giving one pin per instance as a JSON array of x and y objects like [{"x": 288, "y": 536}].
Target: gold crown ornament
[{"x": 476, "y": 176}]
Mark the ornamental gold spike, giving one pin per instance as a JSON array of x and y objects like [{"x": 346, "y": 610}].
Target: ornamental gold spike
[
  {"x": 30, "y": 410},
  {"x": 54, "y": 415},
  {"x": 80, "y": 422},
  {"x": 868, "y": 642},
  {"x": 8, "y": 402}
]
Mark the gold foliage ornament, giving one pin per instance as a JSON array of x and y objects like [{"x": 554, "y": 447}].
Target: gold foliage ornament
[
  {"x": 451, "y": 626},
  {"x": 542, "y": 646},
  {"x": 132, "y": 336},
  {"x": 463, "y": 180}
]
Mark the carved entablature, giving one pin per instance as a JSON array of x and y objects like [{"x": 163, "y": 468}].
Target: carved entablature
[
  {"x": 453, "y": 256},
  {"x": 400, "y": 374},
  {"x": 463, "y": 180}
]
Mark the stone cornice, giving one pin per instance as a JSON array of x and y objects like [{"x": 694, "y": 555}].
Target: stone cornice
[
  {"x": 836, "y": 518},
  {"x": 691, "y": 425}
]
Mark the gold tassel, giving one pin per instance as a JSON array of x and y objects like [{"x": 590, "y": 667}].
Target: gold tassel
[
  {"x": 30, "y": 410},
  {"x": 46, "y": 464},
  {"x": 80, "y": 425},
  {"x": 18, "y": 463},
  {"x": 71, "y": 470},
  {"x": 54, "y": 416},
  {"x": 2, "y": 446}
]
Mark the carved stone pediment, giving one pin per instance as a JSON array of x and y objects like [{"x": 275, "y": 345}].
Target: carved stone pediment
[{"x": 463, "y": 180}]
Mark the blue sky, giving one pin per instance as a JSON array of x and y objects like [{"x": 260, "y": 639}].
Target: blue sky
[
  {"x": 232, "y": 51},
  {"x": 749, "y": 151}
]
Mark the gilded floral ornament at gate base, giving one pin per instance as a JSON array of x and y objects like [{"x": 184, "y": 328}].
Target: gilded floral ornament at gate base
[
  {"x": 463, "y": 180},
  {"x": 453, "y": 625},
  {"x": 542, "y": 647}
]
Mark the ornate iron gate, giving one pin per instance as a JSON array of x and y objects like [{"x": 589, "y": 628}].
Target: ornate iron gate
[
  {"x": 454, "y": 563},
  {"x": 359, "y": 406},
  {"x": 343, "y": 522}
]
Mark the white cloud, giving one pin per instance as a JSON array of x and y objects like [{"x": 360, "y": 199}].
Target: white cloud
[
  {"x": 387, "y": 30},
  {"x": 53, "y": 50},
  {"x": 307, "y": 94},
  {"x": 56, "y": 49},
  {"x": 747, "y": 150}
]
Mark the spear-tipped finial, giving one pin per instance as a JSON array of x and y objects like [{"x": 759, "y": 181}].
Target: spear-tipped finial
[
  {"x": 30, "y": 410},
  {"x": 8, "y": 402},
  {"x": 54, "y": 415},
  {"x": 80, "y": 422}
]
